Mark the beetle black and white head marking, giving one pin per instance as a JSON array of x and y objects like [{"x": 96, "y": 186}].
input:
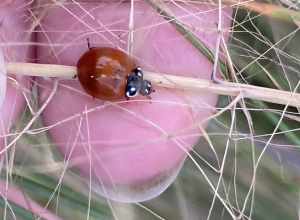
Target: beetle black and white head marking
[
  {"x": 146, "y": 88},
  {"x": 138, "y": 72},
  {"x": 132, "y": 89},
  {"x": 137, "y": 85}
]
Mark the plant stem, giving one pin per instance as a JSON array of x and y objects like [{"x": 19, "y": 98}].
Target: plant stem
[{"x": 171, "y": 81}]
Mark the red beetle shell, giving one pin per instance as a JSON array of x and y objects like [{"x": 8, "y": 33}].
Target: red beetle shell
[{"x": 103, "y": 72}]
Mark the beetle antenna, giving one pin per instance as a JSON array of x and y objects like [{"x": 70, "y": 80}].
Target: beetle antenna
[{"x": 88, "y": 43}]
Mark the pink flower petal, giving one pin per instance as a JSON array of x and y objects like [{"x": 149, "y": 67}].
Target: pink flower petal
[
  {"x": 3, "y": 79},
  {"x": 132, "y": 150}
]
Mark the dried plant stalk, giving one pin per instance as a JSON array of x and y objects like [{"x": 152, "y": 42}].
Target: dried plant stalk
[{"x": 171, "y": 81}]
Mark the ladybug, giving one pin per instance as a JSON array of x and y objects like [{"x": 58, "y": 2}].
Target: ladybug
[{"x": 110, "y": 74}]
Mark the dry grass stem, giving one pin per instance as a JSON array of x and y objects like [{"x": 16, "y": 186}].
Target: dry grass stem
[{"x": 171, "y": 81}]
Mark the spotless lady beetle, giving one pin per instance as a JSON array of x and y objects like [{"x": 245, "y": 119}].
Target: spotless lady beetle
[{"x": 110, "y": 74}]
